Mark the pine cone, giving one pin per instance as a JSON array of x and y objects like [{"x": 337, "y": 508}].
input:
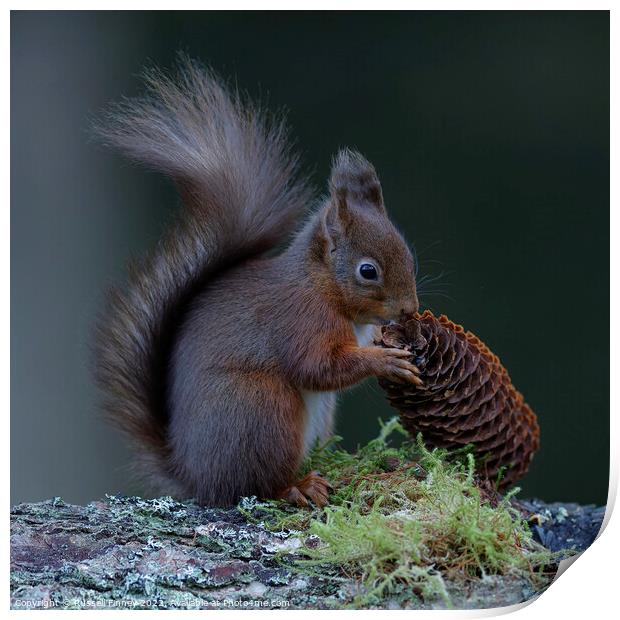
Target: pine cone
[{"x": 467, "y": 396}]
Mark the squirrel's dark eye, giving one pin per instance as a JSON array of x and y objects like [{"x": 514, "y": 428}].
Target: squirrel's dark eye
[{"x": 368, "y": 271}]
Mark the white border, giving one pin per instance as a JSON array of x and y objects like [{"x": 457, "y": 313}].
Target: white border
[{"x": 589, "y": 587}]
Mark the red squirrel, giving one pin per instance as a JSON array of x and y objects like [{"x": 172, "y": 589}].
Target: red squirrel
[{"x": 222, "y": 356}]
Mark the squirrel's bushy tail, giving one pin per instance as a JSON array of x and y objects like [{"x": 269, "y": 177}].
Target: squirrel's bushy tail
[{"x": 236, "y": 175}]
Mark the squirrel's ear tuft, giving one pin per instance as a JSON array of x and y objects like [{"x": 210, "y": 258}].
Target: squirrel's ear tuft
[{"x": 354, "y": 182}]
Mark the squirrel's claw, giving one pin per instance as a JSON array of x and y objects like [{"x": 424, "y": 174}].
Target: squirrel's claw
[
  {"x": 397, "y": 366},
  {"x": 313, "y": 487},
  {"x": 294, "y": 496}
]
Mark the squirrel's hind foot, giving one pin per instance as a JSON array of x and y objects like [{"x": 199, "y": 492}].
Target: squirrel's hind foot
[{"x": 313, "y": 487}]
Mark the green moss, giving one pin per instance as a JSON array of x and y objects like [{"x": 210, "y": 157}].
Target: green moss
[{"x": 405, "y": 518}]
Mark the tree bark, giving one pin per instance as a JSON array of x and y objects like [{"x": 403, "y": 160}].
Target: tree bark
[{"x": 127, "y": 552}]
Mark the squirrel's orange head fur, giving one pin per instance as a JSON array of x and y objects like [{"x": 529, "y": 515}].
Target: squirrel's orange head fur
[{"x": 367, "y": 260}]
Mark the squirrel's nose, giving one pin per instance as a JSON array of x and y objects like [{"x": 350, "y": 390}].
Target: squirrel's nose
[{"x": 411, "y": 306}]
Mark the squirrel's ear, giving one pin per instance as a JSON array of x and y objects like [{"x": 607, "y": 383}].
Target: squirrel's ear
[
  {"x": 354, "y": 183},
  {"x": 337, "y": 217},
  {"x": 334, "y": 222}
]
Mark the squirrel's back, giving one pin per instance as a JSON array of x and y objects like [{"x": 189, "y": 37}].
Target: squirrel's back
[{"x": 241, "y": 197}]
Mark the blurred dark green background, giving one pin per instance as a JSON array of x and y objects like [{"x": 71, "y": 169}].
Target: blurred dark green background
[{"x": 490, "y": 132}]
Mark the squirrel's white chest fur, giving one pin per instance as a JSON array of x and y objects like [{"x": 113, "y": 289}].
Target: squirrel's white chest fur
[
  {"x": 364, "y": 334},
  {"x": 319, "y": 406},
  {"x": 319, "y": 416}
]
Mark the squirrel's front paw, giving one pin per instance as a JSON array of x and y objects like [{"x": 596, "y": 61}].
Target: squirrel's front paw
[
  {"x": 394, "y": 365},
  {"x": 313, "y": 487}
]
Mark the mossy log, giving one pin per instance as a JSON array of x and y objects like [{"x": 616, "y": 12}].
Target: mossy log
[{"x": 126, "y": 552}]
